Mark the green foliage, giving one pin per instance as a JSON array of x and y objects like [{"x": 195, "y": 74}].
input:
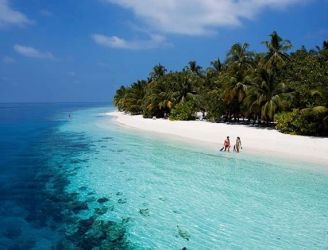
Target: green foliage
[
  {"x": 307, "y": 75},
  {"x": 214, "y": 105},
  {"x": 130, "y": 99},
  {"x": 119, "y": 98},
  {"x": 167, "y": 91},
  {"x": 158, "y": 72},
  {"x": 183, "y": 111},
  {"x": 249, "y": 85},
  {"x": 276, "y": 58},
  {"x": 309, "y": 121}
]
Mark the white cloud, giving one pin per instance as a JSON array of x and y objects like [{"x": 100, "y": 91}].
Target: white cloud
[
  {"x": 8, "y": 60},
  {"x": 10, "y": 17},
  {"x": 155, "y": 41},
  {"x": 196, "y": 17},
  {"x": 32, "y": 52}
]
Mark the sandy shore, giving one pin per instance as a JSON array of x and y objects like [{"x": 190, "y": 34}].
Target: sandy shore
[{"x": 254, "y": 140}]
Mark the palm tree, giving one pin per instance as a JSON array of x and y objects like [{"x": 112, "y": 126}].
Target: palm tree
[
  {"x": 134, "y": 97},
  {"x": 157, "y": 99},
  {"x": 239, "y": 62},
  {"x": 216, "y": 65},
  {"x": 158, "y": 71},
  {"x": 265, "y": 97},
  {"x": 323, "y": 52},
  {"x": 325, "y": 44},
  {"x": 215, "y": 68},
  {"x": 184, "y": 87},
  {"x": 276, "y": 56},
  {"x": 119, "y": 98},
  {"x": 240, "y": 56},
  {"x": 194, "y": 68}
]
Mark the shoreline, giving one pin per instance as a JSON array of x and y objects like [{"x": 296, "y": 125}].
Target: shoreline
[{"x": 263, "y": 141}]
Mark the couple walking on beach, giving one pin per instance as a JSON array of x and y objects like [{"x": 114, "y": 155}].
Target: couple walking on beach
[{"x": 236, "y": 147}]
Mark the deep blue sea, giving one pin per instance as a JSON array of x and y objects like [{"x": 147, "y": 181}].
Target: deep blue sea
[{"x": 71, "y": 178}]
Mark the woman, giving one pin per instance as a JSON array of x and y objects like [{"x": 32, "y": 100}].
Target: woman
[{"x": 238, "y": 144}]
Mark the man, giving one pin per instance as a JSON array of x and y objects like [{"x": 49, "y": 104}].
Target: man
[{"x": 226, "y": 144}]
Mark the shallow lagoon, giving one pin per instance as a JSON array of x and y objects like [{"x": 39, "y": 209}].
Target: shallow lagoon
[
  {"x": 108, "y": 186},
  {"x": 176, "y": 196}
]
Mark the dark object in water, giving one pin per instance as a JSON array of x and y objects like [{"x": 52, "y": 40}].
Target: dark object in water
[
  {"x": 107, "y": 138},
  {"x": 101, "y": 211},
  {"x": 78, "y": 206},
  {"x": 183, "y": 234},
  {"x": 122, "y": 201},
  {"x": 144, "y": 211},
  {"x": 83, "y": 188},
  {"x": 102, "y": 200}
]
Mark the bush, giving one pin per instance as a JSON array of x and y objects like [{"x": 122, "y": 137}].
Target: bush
[
  {"x": 183, "y": 111},
  {"x": 309, "y": 121}
]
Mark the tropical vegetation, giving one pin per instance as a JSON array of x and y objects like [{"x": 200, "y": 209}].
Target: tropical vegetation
[{"x": 288, "y": 90}]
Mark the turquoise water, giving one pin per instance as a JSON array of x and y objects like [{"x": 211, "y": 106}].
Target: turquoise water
[
  {"x": 110, "y": 187},
  {"x": 172, "y": 196}
]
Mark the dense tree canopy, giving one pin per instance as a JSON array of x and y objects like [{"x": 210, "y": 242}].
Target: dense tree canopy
[{"x": 288, "y": 90}]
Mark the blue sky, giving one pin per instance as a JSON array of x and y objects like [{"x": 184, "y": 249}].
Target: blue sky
[{"x": 69, "y": 50}]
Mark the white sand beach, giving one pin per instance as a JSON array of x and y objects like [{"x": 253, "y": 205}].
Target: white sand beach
[{"x": 254, "y": 140}]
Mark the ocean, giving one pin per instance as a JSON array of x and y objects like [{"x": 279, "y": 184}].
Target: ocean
[{"x": 71, "y": 178}]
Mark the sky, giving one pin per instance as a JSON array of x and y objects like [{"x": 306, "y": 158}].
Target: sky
[{"x": 82, "y": 51}]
